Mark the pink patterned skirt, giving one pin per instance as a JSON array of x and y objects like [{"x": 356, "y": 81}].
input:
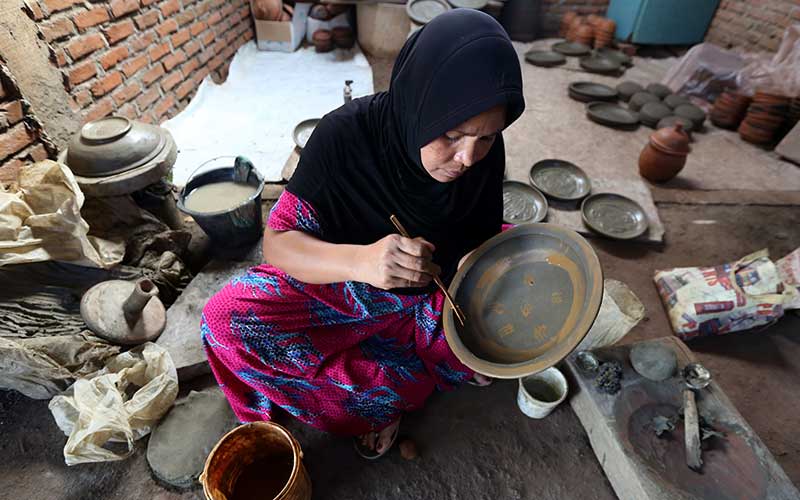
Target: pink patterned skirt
[{"x": 346, "y": 357}]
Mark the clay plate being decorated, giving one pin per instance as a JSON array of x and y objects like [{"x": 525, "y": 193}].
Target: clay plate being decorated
[
  {"x": 614, "y": 216},
  {"x": 560, "y": 180},
  {"x": 522, "y": 204},
  {"x": 530, "y": 295}
]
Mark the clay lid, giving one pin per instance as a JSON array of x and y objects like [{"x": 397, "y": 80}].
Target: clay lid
[{"x": 671, "y": 140}]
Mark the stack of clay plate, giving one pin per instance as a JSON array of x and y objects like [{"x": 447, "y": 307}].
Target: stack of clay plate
[
  {"x": 729, "y": 110},
  {"x": 584, "y": 34},
  {"x": 574, "y": 24},
  {"x": 604, "y": 31},
  {"x": 566, "y": 22},
  {"x": 765, "y": 117}
]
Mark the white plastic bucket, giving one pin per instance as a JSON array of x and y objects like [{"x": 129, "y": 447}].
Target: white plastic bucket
[{"x": 540, "y": 393}]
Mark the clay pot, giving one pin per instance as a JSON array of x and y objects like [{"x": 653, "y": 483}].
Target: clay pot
[
  {"x": 585, "y": 34},
  {"x": 267, "y": 10},
  {"x": 323, "y": 41},
  {"x": 343, "y": 37},
  {"x": 566, "y": 20},
  {"x": 664, "y": 156},
  {"x": 572, "y": 32},
  {"x": 593, "y": 19}
]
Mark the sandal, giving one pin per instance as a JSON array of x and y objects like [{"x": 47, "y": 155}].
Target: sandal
[{"x": 369, "y": 454}]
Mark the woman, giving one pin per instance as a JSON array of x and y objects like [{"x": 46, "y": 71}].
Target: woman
[{"x": 343, "y": 327}]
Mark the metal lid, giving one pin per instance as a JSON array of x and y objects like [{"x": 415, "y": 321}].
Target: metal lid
[{"x": 112, "y": 145}]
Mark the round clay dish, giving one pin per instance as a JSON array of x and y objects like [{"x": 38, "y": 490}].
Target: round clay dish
[
  {"x": 640, "y": 98},
  {"x": 599, "y": 64},
  {"x": 675, "y": 100},
  {"x": 423, "y": 11},
  {"x": 692, "y": 112},
  {"x": 468, "y": 4},
  {"x": 591, "y": 91},
  {"x": 628, "y": 89},
  {"x": 530, "y": 295},
  {"x": 614, "y": 216},
  {"x": 659, "y": 90},
  {"x": 612, "y": 115},
  {"x": 522, "y": 204},
  {"x": 560, "y": 180},
  {"x": 615, "y": 55},
  {"x": 545, "y": 58},
  {"x": 571, "y": 48}
]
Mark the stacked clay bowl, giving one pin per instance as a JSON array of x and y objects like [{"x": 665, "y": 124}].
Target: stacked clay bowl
[
  {"x": 585, "y": 34},
  {"x": 604, "y": 33},
  {"x": 765, "y": 117},
  {"x": 572, "y": 31},
  {"x": 566, "y": 22},
  {"x": 729, "y": 110}
]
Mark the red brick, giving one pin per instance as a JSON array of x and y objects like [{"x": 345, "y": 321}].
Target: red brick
[
  {"x": 38, "y": 153},
  {"x": 227, "y": 10},
  {"x": 57, "y": 5},
  {"x": 230, "y": 37},
  {"x": 91, "y": 17},
  {"x": 185, "y": 17},
  {"x": 34, "y": 11},
  {"x": 163, "y": 106},
  {"x": 190, "y": 66},
  {"x": 56, "y": 29},
  {"x": 133, "y": 66},
  {"x": 197, "y": 28},
  {"x": 80, "y": 74},
  {"x": 169, "y": 7},
  {"x": 15, "y": 139},
  {"x": 100, "y": 109},
  {"x": 219, "y": 46},
  {"x": 166, "y": 27},
  {"x": 201, "y": 74},
  {"x": 150, "y": 18},
  {"x": 128, "y": 111},
  {"x": 158, "y": 51},
  {"x": 215, "y": 62},
  {"x": 205, "y": 56},
  {"x": 191, "y": 48},
  {"x": 148, "y": 98},
  {"x": 174, "y": 59},
  {"x": 121, "y": 7},
  {"x": 180, "y": 38},
  {"x": 214, "y": 18},
  {"x": 113, "y": 56},
  {"x": 171, "y": 80},
  {"x": 106, "y": 84},
  {"x": 126, "y": 93},
  {"x": 85, "y": 45},
  {"x": 119, "y": 31},
  {"x": 142, "y": 42},
  {"x": 153, "y": 74},
  {"x": 207, "y": 38},
  {"x": 12, "y": 111},
  {"x": 82, "y": 98},
  {"x": 185, "y": 88},
  {"x": 148, "y": 2},
  {"x": 202, "y": 8}
]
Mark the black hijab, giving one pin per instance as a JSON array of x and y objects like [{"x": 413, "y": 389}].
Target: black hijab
[{"x": 362, "y": 163}]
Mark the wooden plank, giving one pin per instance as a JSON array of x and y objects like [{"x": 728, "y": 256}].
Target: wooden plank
[
  {"x": 640, "y": 465},
  {"x": 691, "y": 425}
]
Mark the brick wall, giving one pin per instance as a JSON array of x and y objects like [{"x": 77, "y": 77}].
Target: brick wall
[
  {"x": 21, "y": 137},
  {"x": 552, "y": 10},
  {"x": 752, "y": 25},
  {"x": 142, "y": 59}
]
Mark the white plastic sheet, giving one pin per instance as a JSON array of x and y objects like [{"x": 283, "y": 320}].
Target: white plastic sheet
[
  {"x": 98, "y": 411},
  {"x": 254, "y": 112}
]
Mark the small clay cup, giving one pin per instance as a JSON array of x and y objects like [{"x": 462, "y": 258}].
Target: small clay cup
[{"x": 664, "y": 156}]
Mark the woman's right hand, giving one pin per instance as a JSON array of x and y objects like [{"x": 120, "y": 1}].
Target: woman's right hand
[{"x": 396, "y": 262}]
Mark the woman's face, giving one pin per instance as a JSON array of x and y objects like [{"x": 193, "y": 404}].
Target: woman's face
[{"x": 447, "y": 157}]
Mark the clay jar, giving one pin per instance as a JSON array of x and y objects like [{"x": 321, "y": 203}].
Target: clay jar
[
  {"x": 323, "y": 41},
  {"x": 665, "y": 154},
  {"x": 267, "y": 10}
]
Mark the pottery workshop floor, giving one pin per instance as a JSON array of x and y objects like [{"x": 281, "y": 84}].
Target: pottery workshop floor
[{"x": 732, "y": 199}]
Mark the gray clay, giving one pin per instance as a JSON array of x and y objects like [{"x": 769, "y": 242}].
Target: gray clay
[{"x": 653, "y": 361}]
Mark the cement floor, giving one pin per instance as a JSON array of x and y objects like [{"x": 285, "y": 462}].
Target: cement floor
[{"x": 474, "y": 443}]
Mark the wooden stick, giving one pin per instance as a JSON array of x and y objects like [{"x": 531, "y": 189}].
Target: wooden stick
[
  {"x": 457, "y": 310},
  {"x": 692, "y": 431}
]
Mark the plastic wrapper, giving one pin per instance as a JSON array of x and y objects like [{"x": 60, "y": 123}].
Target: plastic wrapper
[
  {"x": 101, "y": 419},
  {"x": 703, "y": 301},
  {"x": 707, "y": 70},
  {"x": 789, "y": 269},
  {"x": 40, "y": 220}
]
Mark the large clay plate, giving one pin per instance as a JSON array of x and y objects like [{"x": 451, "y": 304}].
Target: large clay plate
[
  {"x": 615, "y": 55},
  {"x": 599, "y": 64},
  {"x": 612, "y": 115},
  {"x": 522, "y": 204},
  {"x": 560, "y": 180},
  {"x": 591, "y": 91},
  {"x": 545, "y": 58},
  {"x": 422, "y": 11},
  {"x": 571, "y": 48},
  {"x": 530, "y": 295},
  {"x": 614, "y": 216},
  {"x": 303, "y": 131}
]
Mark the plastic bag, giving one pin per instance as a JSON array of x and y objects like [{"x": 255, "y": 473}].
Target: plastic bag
[
  {"x": 97, "y": 412},
  {"x": 745, "y": 294},
  {"x": 619, "y": 312}
]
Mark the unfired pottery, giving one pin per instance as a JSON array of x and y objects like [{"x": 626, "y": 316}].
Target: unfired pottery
[
  {"x": 522, "y": 203},
  {"x": 614, "y": 216},
  {"x": 124, "y": 312}
]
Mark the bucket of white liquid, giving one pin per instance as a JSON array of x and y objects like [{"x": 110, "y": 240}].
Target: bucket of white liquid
[
  {"x": 226, "y": 205},
  {"x": 540, "y": 393}
]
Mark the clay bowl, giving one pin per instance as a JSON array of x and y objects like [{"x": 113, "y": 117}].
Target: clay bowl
[
  {"x": 765, "y": 120},
  {"x": 323, "y": 41},
  {"x": 770, "y": 98},
  {"x": 754, "y": 135},
  {"x": 585, "y": 32},
  {"x": 639, "y": 99},
  {"x": 267, "y": 10},
  {"x": 593, "y": 19},
  {"x": 530, "y": 295},
  {"x": 343, "y": 37}
]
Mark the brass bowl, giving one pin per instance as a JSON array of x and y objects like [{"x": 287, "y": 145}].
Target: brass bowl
[{"x": 530, "y": 295}]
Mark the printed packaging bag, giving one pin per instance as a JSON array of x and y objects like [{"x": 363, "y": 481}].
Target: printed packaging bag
[{"x": 741, "y": 295}]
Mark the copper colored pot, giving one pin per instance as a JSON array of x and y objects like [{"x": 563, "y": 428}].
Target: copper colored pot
[
  {"x": 323, "y": 41},
  {"x": 664, "y": 156},
  {"x": 585, "y": 34},
  {"x": 343, "y": 37}
]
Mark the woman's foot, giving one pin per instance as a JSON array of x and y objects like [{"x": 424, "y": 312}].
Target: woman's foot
[
  {"x": 480, "y": 380},
  {"x": 375, "y": 444}
]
